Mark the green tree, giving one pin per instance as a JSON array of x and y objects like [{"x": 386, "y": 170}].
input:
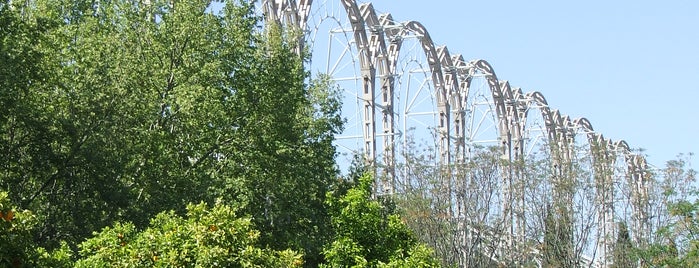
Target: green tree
[
  {"x": 118, "y": 110},
  {"x": 208, "y": 237},
  {"x": 17, "y": 247},
  {"x": 675, "y": 205},
  {"x": 624, "y": 251},
  {"x": 679, "y": 245},
  {"x": 368, "y": 234},
  {"x": 286, "y": 156},
  {"x": 558, "y": 241}
]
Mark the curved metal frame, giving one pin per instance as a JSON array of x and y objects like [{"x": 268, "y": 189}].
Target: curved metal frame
[
  {"x": 396, "y": 34},
  {"x": 378, "y": 54},
  {"x": 498, "y": 99},
  {"x": 378, "y": 40},
  {"x": 451, "y": 85},
  {"x": 538, "y": 99}
]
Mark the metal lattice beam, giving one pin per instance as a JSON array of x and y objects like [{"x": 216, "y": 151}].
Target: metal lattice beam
[{"x": 378, "y": 41}]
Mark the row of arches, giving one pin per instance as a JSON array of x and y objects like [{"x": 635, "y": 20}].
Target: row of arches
[{"x": 376, "y": 45}]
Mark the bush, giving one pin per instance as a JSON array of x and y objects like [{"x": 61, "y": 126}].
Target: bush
[{"x": 207, "y": 237}]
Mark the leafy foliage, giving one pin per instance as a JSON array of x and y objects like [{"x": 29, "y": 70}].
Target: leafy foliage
[
  {"x": 624, "y": 251},
  {"x": 558, "y": 244},
  {"x": 675, "y": 241},
  {"x": 208, "y": 237},
  {"x": 115, "y": 111},
  {"x": 368, "y": 234},
  {"x": 17, "y": 248},
  {"x": 118, "y": 110}
]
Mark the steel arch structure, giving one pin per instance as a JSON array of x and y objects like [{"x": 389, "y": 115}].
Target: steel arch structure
[{"x": 376, "y": 44}]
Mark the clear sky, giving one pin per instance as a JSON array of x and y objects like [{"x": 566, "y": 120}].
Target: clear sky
[{"x": 630, "y": 67}]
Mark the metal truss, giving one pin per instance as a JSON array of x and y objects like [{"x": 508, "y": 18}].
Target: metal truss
[{"x": 395, "y": 67}]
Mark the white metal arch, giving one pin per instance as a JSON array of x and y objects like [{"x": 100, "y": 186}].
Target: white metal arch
[{"x": 378, "y": 40}]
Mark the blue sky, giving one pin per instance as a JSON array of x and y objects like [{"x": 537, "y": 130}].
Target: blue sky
[{"x": 630, "y": 67}]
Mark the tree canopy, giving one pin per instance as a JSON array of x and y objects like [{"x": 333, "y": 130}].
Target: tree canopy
[
  {"x": 188, "y": 133},
  {"x": 119, "y": 110}
]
